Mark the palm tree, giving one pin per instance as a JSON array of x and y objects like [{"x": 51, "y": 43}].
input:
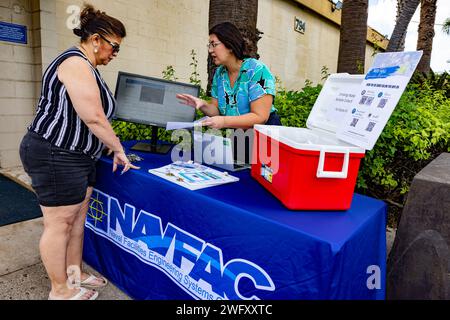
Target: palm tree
[
  {"x": 426, "y": 33},
  {"x": 400, "y": 4},
  {"x": 405, "y": 12},
  {"x": 352, "y": 43},
  {"x": 244, "y": 15},
  {"x": 446, "y": 26}
]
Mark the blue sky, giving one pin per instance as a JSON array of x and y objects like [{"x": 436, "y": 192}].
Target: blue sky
[{"x": 382, "y": 18}]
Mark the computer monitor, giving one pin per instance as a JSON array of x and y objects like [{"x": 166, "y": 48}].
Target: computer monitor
[{"x": 152, "y": 101}]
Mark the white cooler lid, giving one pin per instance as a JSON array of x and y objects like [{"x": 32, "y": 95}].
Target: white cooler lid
[{"x": 334, "y": 101}]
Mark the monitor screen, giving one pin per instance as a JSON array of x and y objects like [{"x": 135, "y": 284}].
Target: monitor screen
[{"x": 152, "y": 101}]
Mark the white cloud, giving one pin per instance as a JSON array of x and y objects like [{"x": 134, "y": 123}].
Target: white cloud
[{"x": 382, "y": 15}]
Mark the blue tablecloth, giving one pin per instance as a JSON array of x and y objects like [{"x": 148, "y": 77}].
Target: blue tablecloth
[{"x": 157, "y": 240}]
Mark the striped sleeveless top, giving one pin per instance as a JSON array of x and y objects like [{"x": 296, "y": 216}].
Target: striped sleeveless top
[{"x": 57, "y": 121}]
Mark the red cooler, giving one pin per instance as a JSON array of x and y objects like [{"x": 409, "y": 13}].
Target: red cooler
[{"x": 309, "y": 168}]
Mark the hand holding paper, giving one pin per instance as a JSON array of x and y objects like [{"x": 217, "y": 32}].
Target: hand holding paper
[
  {"x": 185, "y": 125},
  {"x": 216, "y": 122}
]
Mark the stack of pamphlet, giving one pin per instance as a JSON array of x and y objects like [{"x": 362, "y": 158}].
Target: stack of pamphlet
[{"x": 193, "y": 175}]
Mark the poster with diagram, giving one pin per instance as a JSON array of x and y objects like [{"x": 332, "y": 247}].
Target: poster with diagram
[{"x": 378, "y": 96}]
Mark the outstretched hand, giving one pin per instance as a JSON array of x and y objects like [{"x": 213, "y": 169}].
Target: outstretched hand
[
  {"x": 120, "y": 158},
  {"x": 192, "y": 101}
]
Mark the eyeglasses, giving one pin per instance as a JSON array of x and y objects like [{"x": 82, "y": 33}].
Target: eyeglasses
[
  {"x": 115, "y": 46},
  {"x": 213, "y": 44}
]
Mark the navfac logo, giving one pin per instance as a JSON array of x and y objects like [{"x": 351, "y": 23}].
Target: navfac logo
[
  {"x": 96, "y": 214},
  {"x": 193, "y": 264}
]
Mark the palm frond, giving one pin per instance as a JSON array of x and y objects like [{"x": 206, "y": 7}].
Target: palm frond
[{"x": 446, "y": 26}]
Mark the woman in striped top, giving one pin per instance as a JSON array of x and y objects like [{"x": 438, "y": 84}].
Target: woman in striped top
[{"x": 63, "y": 143}]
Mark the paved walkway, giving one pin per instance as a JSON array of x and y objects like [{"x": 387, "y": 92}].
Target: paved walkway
[{"x": 22, "y": 274}]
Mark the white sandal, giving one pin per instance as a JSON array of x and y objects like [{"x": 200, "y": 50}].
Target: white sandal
[
  {"x": 87, "y": 283},
  {"x": 78, "y": 296}
]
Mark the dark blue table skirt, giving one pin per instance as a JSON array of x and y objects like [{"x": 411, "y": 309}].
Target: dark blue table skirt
[{"x": 157, "y": 240}]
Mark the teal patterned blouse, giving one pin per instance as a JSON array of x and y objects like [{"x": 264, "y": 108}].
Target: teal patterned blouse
[{"x": 254, "y": 81}]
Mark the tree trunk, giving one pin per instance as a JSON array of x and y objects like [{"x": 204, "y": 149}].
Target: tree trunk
[
  {"x": 244, "y": 15},
  {"x": 405, "y": 12},
  {"x": 426, "y": 33},
  {"x": 400, "y": 5},
  {"x": 352, "y": 44}
]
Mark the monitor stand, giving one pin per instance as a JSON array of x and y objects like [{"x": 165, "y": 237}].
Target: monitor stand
[{"x": 153, "y": 146}]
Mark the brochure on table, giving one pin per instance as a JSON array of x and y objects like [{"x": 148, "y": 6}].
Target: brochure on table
[
  {"x": 380, "y": 92},
  {"x": 193, "y": 176}
]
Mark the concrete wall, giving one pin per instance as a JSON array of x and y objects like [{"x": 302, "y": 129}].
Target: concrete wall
[
  {"x": 19, "y": 74},
  {"x": 161, "y": 33},
  {"x": 295, "y": 57}
]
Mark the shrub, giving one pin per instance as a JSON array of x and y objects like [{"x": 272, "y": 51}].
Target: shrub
[
  {"x": 433, "y": 81},
  {"x": 294, "y": 106},
  {"x": 416, "y": 133}
]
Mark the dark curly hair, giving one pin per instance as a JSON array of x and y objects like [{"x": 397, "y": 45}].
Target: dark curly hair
[
  {"x": 231, "y": 37},
  {"x": 96, "y": 21}
]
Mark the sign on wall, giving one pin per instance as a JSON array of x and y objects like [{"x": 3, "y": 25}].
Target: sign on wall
[
  {"x": 11, "y": 32},
  {"x": 299, "y": 25}
]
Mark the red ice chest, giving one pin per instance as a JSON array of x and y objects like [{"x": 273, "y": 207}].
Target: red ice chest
[{"x": 313, "y": 170}]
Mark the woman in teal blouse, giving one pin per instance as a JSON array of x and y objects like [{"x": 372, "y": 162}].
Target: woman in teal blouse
[{"x": 243, "y": 88}]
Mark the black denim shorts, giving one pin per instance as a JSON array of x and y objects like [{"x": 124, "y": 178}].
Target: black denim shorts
[{"x": 59, "y": 177}]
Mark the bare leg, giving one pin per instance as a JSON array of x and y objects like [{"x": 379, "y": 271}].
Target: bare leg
[
  {"x": 75, "y": 247},
  {"x": 58, "y": 222}
]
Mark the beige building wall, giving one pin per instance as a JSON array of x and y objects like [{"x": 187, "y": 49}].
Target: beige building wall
[
  {"x": 18, "y": 79},
  {"x": 295, "y": 57},
  {"x": 160, "y": 33}
]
